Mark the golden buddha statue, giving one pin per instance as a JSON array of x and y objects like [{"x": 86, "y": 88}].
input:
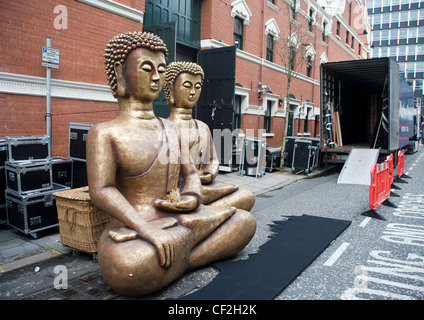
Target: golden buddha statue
[
  {"x": 136, "y": 174},
  {"x": 183, "y": 85}
]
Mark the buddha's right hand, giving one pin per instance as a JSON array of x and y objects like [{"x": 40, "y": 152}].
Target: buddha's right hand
[{"x": 164, "y": 243}]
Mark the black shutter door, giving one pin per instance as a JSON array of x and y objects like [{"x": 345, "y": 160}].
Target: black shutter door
[
  {"x": 215, "y": 106},
  {"x": 168, "y": 34}
]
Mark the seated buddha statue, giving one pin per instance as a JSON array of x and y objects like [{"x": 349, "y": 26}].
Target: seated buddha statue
[
  {"x": 183, "y": 85},
  {"x": 159, "y": 228}
]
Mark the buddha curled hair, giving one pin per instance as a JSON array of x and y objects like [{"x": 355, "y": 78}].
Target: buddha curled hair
[
  {"x": 121, "y": 45},
  {"x": 174, "y": 69}
]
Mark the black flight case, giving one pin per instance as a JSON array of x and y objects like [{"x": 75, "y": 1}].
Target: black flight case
[
  {"x": 3, "y": 159},
  {"x": 77, "y": 152},
  {"x": 288, "y": 152},
  {"x": 30, "y": 175},
  {"x": 302, "y": 156},
  {"x": 32, "y": 211},
  {"x": 28, "y": 148}
]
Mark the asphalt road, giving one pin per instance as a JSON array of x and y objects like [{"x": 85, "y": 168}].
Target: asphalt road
[{"x": 372, "y": 259}]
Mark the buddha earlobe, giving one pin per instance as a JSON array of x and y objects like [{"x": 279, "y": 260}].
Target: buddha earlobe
[
  {"x": 120, "y": 81},
  {"x": 170, "y": 85}
]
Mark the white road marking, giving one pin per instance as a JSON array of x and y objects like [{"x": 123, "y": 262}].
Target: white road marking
[
  {"x": 336, "y": 255},
  {"x": 365, "y": 222}
]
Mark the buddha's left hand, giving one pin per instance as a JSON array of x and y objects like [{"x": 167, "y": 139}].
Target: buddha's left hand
[{"x": 205, "y": 178}]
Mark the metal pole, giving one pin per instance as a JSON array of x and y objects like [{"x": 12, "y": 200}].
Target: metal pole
[{"x": 48, "y": 96}]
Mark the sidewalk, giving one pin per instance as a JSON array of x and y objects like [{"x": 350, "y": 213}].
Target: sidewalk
[{"x": 18, "y": 250}]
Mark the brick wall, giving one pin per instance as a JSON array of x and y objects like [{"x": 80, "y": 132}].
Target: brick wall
[
  {"x": 251, "y": 67},
  {"x": 25, "y": 26}
]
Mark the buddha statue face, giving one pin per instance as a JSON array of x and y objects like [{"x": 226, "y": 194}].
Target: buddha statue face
[
  {"x": 183, "y": 84},
  {"x": 187, "y": 89},
  {"x": 142, "y": 74}
]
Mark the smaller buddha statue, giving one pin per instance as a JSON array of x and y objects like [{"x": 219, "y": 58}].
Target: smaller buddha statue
[{"x": 183, "y": 85}]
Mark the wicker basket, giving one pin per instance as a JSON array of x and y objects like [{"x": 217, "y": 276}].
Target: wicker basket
[{"x": 80, "y": 222}]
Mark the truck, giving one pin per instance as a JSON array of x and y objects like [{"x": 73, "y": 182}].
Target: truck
[{"x": 365, "y": 104}]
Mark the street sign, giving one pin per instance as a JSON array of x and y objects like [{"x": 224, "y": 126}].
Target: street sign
[
  {"x": 50, "y": 55},
  {"x": 45, "y": 64}
]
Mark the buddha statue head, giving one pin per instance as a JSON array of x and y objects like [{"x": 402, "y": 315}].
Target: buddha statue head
[
  {"x": 119, "y": 49},
  {"x": 183, "y": 84}
]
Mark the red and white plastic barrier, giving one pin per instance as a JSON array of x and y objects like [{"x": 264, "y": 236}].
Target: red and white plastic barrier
[
  {"x": 380, "y": 184},
  {"x": 389, "y": 160},
  {"x": 401, "y": 163}
]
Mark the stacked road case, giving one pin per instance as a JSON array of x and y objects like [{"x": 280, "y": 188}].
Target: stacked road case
[{"x": 30, "y": 206}]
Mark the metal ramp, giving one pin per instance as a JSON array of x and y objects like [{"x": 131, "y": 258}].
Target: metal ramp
[{"x": 357, "y": 167}]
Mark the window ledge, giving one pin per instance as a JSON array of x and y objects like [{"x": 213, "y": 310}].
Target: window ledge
[{"x": 267, "y": 135}]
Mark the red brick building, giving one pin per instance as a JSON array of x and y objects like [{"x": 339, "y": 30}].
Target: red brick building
[{"x": 80, "y": 29}]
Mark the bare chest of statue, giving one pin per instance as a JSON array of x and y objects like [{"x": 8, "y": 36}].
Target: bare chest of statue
[{"x": 138, "y": 148}]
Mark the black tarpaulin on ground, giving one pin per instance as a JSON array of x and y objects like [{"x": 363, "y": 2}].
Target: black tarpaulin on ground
[{"x": 295, "y": 243}]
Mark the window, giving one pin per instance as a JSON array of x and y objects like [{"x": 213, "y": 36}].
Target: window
[
  {"x": 420, "y": 67},
  {"x": 305, "y": 125},
  {"x": 311, "y": 19},
  {"x": 352, "y": 43},
  {"x": 267, "y": 117},
  {"x": 394, "y": 36},
  {"x": 413, "y": 15},
  {"x": 324, "y": 30},
  {"x": 420, "y": 32},
  {"x": 395, "y": 17},
  {"x": 420, "y": 50},
  {"x": 402, "y": 51},
  {"x": 383, "y": 52},
  {"x": 269, "y": 47},
  {"x": 392, "y": 52},
  {"x": 403, "y": 33},
  {"x": 385, "y": 35},
  {"x": 338, "y": 28},
  {"x": 238, "y": 33},
  {"x": 359, "y": 49},
  {"x": 386, "y": 18},
  {"x": 237, "y": 112},
  {"x": 412, "y": 33},
  {"x": 291, "y": 60},
  {"x": 376, "y": 36},
  {"x": 377, "y": 20},
  {"x": 347, "y": 37},
  {"x": 418, "y": 85},
  {"x": 293, "y": 9},
  {"x": 404, "y": 16},
  {"x": 309, "y": 66}
]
